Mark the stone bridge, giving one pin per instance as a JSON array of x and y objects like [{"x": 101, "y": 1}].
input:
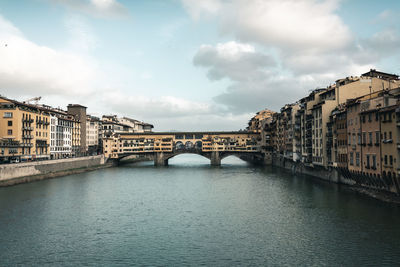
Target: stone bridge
[{"x": 162, "y": 146}]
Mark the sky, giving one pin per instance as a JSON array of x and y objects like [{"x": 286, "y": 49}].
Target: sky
[{"x": 192, "y": 65}]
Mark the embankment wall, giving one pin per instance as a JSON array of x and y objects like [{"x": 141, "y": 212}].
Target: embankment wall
[
  {"x": 383, "y": 188},
  {"x": 16, "y": 173}
]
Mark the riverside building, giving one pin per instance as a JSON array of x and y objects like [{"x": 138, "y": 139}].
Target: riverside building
[
  {"x": 24, "y": 131},
  {"x": 61, "y": 127},
  {"x": 351, "y": 125},
  {"x": 92, "y": 135}
]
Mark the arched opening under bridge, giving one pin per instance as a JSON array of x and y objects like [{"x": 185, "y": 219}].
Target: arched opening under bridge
[{"x": 187, "y": 158}]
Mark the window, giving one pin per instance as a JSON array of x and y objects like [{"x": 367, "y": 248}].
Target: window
[
  {"x": 13, "y": 150},
  {"x": 359, "y": 138},
  {"x": 390, "y": 135},
  {"x": 391, "y": 159},
  {"x": 367, "y": 162},
  {"x": 9, "y": 123},
  {"x": 369, "y": 117},
  {"x": 377, "y": 116},
  {"x": 349, "y": 139},
  {"x": 386, "y": 160},
  {"x": 377, "y": 135},
  {"x": 364, "y": 137},
  {"x": 370, "y": 138},
  {"x": 384, "y": 136},
  {"x": 351, "y": 158},
  {"x": 9, "y": 132},
  {"x": 373, "y": 161},
  {"x": 7, "y": 115},
  {"x": 357, "y": 158}
]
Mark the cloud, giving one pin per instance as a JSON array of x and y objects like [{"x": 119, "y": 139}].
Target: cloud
[
  {"x": 163, "y": 107},
  {"x": 31, "y": 69},
  {"x": 232, "y": 60},
  {"x": 290, "y": 24},
  {"x": 82, "y": 38},
  {"x": 198, "y": 9},
  {"x": 308, "y": 46},
  {"x": 255, "y": 76},
  {"x": 383, "y": 43},
  {"x": 97, "y": 8},
  {"x": 257, "y": 82},
  {"x": 173, "y": 113}
]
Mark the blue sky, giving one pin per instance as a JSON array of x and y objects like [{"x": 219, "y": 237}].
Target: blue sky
[{"x": 189, "y": 64}]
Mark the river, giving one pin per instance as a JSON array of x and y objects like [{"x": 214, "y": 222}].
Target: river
[{"x": 190, "y": 213}]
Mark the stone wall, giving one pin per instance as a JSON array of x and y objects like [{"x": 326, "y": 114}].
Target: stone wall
[
  {"x": 30, "y": 171},
  {"x": 340, "y": 176},
  {"x": 330, "y": 175}
]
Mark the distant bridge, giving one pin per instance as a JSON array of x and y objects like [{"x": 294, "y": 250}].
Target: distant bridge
[{"x": 162, "y": 146}]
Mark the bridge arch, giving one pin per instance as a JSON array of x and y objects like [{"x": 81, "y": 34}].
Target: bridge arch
[
  {"x": 167, "y": 157},
  {"x": 179, "y": 145},
  {"x": 214, "y": 156},
  {"x": 198, "y": 145},
  {"x": 189, "y": 145}
]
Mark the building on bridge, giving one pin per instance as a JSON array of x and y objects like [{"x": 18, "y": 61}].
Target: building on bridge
[{"x": 162, "y": 146}]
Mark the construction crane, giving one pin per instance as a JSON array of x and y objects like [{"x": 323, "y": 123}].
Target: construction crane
[{"x": 36, "y": 99}]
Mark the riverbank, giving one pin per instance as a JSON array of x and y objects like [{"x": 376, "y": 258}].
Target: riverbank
[
  {"x": 12, "y": 174},
  {"x": 368, "y": 186}
]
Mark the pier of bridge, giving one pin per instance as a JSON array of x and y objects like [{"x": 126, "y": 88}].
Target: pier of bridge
[{"x": 162, "y": 146}]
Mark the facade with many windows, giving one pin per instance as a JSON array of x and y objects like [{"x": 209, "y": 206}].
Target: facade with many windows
[
  {"x": 26, "y": 129},
  {"x": 352, "y": 125}
]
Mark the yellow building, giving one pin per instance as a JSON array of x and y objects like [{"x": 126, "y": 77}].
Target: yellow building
[
  {"x": 76, "y": 137},
  {"x": 24, "y": 131},
  {"x": 118, "y": 145}
]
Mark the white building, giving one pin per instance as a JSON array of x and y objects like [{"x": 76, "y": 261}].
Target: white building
[{"x": 61, "y": 125}]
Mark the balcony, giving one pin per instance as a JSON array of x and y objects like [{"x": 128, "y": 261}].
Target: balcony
[
  {"x": 27, "y": 136},
  {"x": 27, "y": 145},
  {"x": 27, "y": 120}
]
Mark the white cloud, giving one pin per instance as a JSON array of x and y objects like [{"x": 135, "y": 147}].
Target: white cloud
[
  {"x": 31, "y": 69},
  {"x": 98, "y": 8},
  {"x": 289, "y": 24}
]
